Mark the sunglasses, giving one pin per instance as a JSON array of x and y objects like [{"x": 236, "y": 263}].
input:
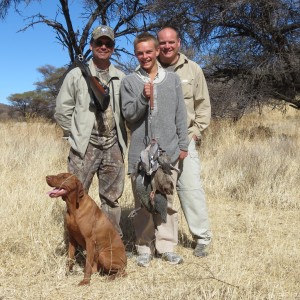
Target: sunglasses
[{"x": 108, "y": 44}]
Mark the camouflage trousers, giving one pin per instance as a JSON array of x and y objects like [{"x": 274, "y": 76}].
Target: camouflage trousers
[{"x": 109, "y": 167}]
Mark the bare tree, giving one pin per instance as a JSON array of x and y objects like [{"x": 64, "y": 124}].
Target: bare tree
[
  {"x": 5, "y": 5},
  {"x": 247, "y": 45},
  {"x": 254, "y": 43},
  {"x": 126, "y": 17}
]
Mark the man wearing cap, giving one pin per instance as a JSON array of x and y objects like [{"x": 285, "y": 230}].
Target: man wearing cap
[{"x": 97, "y": 137}]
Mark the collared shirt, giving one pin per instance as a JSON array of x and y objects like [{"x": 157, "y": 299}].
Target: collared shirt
[
  {"x": 195, "y": 94},
  {"x": 75, "y": 111},
  {"x": 161, "y": 74}
]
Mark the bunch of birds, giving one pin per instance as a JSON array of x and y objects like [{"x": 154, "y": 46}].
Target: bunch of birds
[{"x": 153, "y": 180}]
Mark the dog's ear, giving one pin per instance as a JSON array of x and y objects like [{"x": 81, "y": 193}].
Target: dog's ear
[{"x": 79, "y": 191}]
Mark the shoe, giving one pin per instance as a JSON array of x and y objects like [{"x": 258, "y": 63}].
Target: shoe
[
  {"x": 143, "y": 260},
  {"x": 200, "y": 250},
  {"x": 172, "y": 258}
]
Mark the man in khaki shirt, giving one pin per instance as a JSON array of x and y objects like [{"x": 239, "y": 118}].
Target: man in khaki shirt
[{"x": 196, "y": 97}]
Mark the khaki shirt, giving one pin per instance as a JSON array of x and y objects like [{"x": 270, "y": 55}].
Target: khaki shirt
[
  {"x": 195, "y": 95},
  {"x": 75, "y": 110}
]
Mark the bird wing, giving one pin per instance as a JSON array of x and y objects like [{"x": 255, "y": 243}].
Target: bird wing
[{"x": 143, "y": 190}]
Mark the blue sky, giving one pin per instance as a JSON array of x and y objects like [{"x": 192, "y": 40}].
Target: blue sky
[{"x": 21, "y": 53}]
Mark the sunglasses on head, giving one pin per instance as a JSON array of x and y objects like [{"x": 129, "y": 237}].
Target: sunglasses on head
[{"x": 108, "y": 44}]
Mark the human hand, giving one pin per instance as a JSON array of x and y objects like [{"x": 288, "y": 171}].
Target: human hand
[
  {"x": 147, "y": 90},
  {"x": 197, "y": 140},
  {"x": 183, "y": 155}
]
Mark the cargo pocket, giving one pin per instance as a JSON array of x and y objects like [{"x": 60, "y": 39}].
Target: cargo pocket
[{"x": 193, "y": 152}]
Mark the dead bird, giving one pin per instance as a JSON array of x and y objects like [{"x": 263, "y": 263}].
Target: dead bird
[
  {"x": 143, "y": 190},
  {"x": 154, "y": 202},
  {"x": 154, "y": 181},
  {"x": 165, "y": 162},
  {"x": 152, "y": 190},
  {"x": 162, "y": 182},
  {"x": 149, "y": 158}
]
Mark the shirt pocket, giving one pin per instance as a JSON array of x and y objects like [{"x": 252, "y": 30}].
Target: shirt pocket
[{"x": 187, "y": 88}]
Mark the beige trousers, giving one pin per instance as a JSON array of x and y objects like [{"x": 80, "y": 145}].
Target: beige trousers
[{"x": 151, "y": 233}]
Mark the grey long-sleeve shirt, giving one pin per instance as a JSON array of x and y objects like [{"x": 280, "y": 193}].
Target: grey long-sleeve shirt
[{"x": 167, "y": 123}]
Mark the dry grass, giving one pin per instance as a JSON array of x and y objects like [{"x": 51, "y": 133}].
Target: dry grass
[{"x": 251, "y": 176}]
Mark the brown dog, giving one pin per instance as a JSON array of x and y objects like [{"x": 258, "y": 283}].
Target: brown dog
[{"x": 88, "y": 227}]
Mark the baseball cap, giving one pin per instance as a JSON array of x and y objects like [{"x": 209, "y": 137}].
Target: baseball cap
[{"x": 103, "y": 31}]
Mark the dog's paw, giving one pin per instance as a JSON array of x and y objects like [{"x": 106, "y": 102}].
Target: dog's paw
[{"x": 85, "y": 281}]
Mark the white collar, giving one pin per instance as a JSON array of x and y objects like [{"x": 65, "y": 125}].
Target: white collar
[{"x": 161, "y": 74}]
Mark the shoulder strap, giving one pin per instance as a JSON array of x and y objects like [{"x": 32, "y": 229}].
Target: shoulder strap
[
  {"x": 62, "y": 78},
  {"x": 99, "y": 93}
]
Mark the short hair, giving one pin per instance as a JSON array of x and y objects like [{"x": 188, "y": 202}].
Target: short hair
[
  {"x": 145, "y": 37},
  {"x": 170, "y": 27}
]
